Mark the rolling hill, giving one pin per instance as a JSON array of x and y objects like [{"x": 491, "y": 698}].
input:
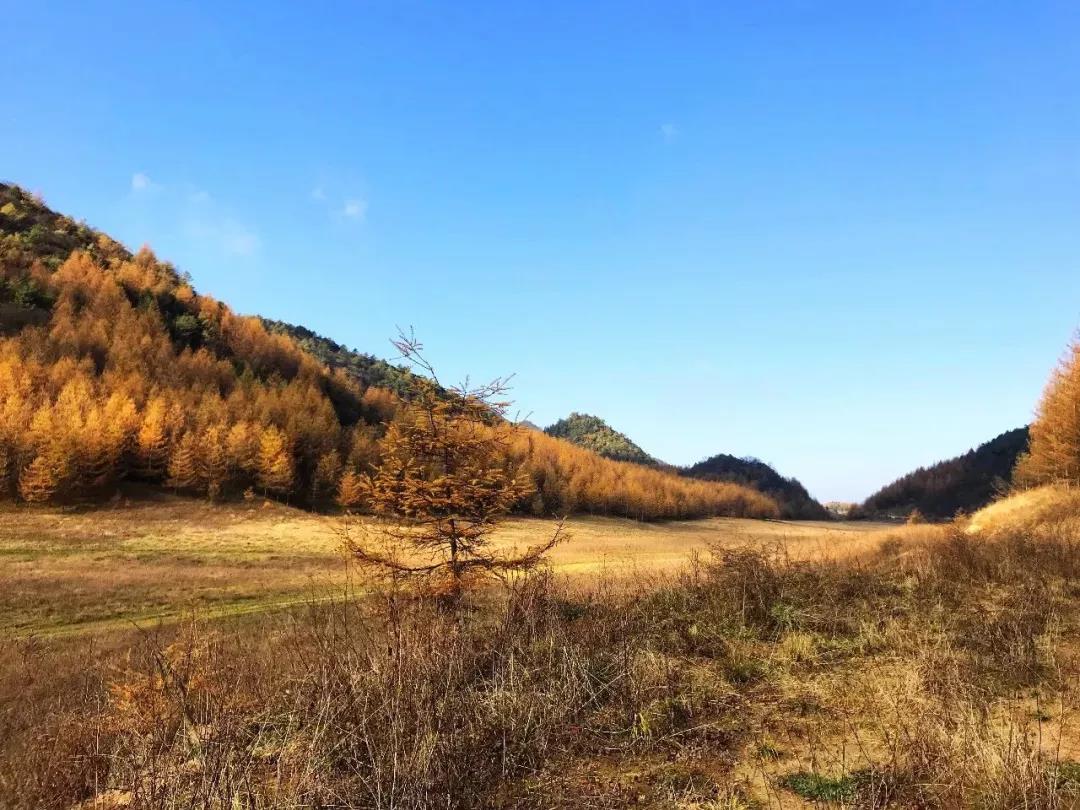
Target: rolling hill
[
  {"x": 967, "y": 482},
  {"x": 593, "y": 433},
  {"x": 113, "y": 368},
  {"x": 795, "y": 502}
]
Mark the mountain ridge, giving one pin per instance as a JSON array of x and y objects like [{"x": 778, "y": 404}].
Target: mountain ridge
[
  {"x": 593, "y": 433},
  {"x": 966, "y": 482}
]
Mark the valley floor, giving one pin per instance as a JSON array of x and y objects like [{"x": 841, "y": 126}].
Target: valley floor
[
  {"x": 790, "y": 665},
  {"x": 158, "y": 558}
]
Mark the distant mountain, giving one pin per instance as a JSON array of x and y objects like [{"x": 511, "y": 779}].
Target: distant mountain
[
  {"x": 967, "y": 482},
  {"x": 795, "y": 502},
  {"x": 593, "y": 433}
]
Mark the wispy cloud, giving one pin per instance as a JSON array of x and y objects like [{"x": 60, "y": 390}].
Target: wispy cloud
[
  {"x": 340, "y": 203},
  {"x": 226, "y": 235},
  {"x": 141, "y": 182},
  {"x": 240, "y": 241},
  {"x": 355, "y": 209},
  {"x": 669, "y": 132},
  {"x": 200, "y": 217}
]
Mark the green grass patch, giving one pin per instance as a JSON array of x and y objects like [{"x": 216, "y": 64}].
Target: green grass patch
[
  {"x": 819, "y": 788},
  {"x": 1068, "y": 774}
]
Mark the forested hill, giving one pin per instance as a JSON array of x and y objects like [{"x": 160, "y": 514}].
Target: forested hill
[
  {"x": 366, "y": 369},
  {"x": 113, "y": 368},
  {"x": 967, "y": 482},
  {"x": 593, "y": 433},
  {"x": 795, "y": 502}
]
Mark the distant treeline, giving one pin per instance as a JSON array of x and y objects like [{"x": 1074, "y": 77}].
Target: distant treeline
[
  {"x": 791, "y": 496},
  {"x": 965, "y": 483}
]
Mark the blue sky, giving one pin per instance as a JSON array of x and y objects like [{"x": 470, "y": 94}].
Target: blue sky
[{"x": 841, "y": 237}]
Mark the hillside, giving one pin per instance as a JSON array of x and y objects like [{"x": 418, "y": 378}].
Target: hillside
[
  {"x": 967, "y": 482},
  {"x": 365, "y": 369},
  {"x": 113, "y": 368},
  {"x": 795, "y": 502},
  {"x": 593, "y": 433}
]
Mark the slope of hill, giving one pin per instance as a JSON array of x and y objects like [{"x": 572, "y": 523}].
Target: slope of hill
[
  {"x": 967, "y": 482},
  {"x": 593, "y": 433},
  {"x": 113, "y": 367},
  {"x": 366, "y": 369},
  {"x": 795, "y": 502}
]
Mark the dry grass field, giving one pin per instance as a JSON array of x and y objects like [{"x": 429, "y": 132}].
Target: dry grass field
[
  {"x": 152, "y": 559},
  {"x": 710, "y": 665}
]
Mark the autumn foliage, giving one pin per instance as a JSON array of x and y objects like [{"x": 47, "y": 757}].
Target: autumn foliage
[
  {"x": 113, "y": 368},
  {"x": 444, "y": 482},
  {"x": 1054, "y": 445},
  {"x": 102, "y": 391}
]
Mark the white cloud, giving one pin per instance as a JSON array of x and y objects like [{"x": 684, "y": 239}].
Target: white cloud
[
  {"x": 669, "y": 132},
  {"x": 140, "y": 181},
  {"x": 225, "y": 235},
  {"x": 355, "y": 209},
  {"x": 318, "y": 194},
  {"x": 199, "y": 216},
  {"x": 240, "y": 241}
]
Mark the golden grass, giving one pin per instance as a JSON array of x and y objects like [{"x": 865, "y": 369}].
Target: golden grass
[
  {"x": 862, "y": 665},
  {"x": 157, "y": 558},
  {"x": 1053, "y": 509}
]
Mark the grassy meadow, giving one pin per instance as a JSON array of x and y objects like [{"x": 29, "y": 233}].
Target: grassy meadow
[
  {"x": 160, "y": 557},
  {"x": 701, "y": 664}
]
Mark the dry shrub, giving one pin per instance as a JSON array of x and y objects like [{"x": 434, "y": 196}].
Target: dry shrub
[
  {"x": 444, "y": 710},
  {"x": 185, "y": 722},
  {"x": 51, "y": 756},
  {"x": 948, "y": 746},
  {"x": 354, "y": 704}
]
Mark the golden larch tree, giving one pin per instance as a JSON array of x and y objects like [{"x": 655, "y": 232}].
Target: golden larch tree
[
  {"x": 5, "y": 469},
  {"x": 184, "y": 472},
  {"x": 45, "y": 476},
  {"x": 327, "y": 474},
  {"x": 214, "y": 458},
  {"x": 1054, "y": 445},
  {"x": 153, "y": 439},
  {"x": 443, "y": 483},
  {"x": 350, "y": 493},
  {"x": 276, "y": 472}
]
